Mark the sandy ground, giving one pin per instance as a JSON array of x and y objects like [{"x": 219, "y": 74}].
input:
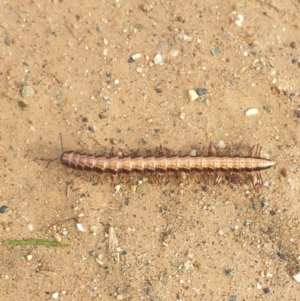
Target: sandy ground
[{"x": 146, "y": 242}]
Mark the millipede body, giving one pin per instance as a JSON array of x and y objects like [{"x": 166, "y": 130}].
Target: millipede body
[{"x": 165, "y": 163}]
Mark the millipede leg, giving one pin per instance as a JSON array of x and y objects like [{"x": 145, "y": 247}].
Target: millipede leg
[{"x": 212, "y": 150}]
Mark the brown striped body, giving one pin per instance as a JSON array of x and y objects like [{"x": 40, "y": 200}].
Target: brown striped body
[{"x": 164, "y": 164}]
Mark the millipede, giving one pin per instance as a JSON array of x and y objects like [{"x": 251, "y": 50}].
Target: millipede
[{"x": 210, "y": 166}]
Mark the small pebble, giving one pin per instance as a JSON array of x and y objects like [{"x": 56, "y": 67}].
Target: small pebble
[
  {"x": 192, "y": 95},
  {"x": 182, "y": 115},
  {"x": 173, "y": 52},
  {"x": 229, "y": 272},
  {"x": 29, "y": 257},
  {"x": 27, "y": 91},
  {"x": 22, "y": 104},
  {"x": 139, "y": 69},
  {"x": 163, "y": 104},
  {"x": 268, "y": 109},
  {"x": 281, "y": 256},
  {"x": 201, "y": 91},
  {"x": 158, "y": 60},
  {"x": 80, "y": 227},
  {"x": 297, "y": 277},
  {"x": 101, "y": 116},
  {"x": 294, "y": 61},
  {"x": 93, "y": 253},
  {"x": 184, "y": 37},
  {"x": 216, "y": 50},
  {"x": 7, "y": 41},
  {"x": 59, "y": 96},
  {"x": 233, "y": 298},
  {"x": 266, "y": 290},
  {"x": 221, "y": 144},
  {"x": 193, "y": 153},
  {"x": 239, "y": 21},
  {"x": 252, "y": 111},
  {"x": 136, "y": 56},
  {"x": 55, "y": 295},
  {"x": 3, "y": 209},
  {"x": 91, "y": 130},
  {"x": 297, "y": 113},
  {"x": 114, "y": 141},
  {"x": 158, "y": 90},
  {"x": 130, "y": 60},
  {"x": 293, "y": 45},
  {"x": 133, "y": 188},
  {"x": 100, "y": 28},
  {"x": 57, "y": 237}
]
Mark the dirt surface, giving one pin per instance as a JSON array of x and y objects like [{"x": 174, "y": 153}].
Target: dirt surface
[{"x": 90, "y": 65}]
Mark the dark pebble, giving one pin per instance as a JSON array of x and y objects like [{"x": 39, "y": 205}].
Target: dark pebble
[
  {"x": 229, "y": 273},
  {"x": 272, "y": 212},
  {"x": 126, "y": 201},
  {"x": 102, "y": 116},
  {"x": 108, "y": 74},
  {"x": 266, "y": 290},
  {"x": 201, "y": 91},
  {"x": 84, "y": 119},
  {"x": 93, "y": 253},
  {"x": 297, "y": 113},
  {"x": 283, "y": 172},
  {"x": 281, "y": 256},
  {"x": 95, "y": 184},
  {"x": 22, "y": 104},
  {"x": 130, "y": 60},
  {"x": 3, "y": 209},
  {"x": 91, "y": 130},
  {"x": 294, "y": 61},
  {"x": 293, "y": 45},
  {"x": 254, "y": 207},
  {"x": 233, "y": 298},
  {"x": 158, "y": 90}
]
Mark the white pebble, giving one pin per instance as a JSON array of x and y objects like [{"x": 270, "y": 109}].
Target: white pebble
[
  {"x": 221, "y": 232},
  {"x": 158, "y": 60},
  {"x": 27, "y": 91},
  {"x": 30, "y": 227},
  {"x": 117, "y": 188},
  {"x": 182, "y": 115},
  {"x": 192, "y": 95},
  {"x": 193, "y": 153},
  {"x": 252, "y": 111},
  {"x": 297, "y": 277},
  {"x": 55, "y": 295},
  {"x": 221, "y": 144},
  {"x": 173, "y": 52},
  {"x": 29, "y": 257},
  {"x": 239, "y": 21},
  {"x": 139, "y": 69},
  {"x": 80, "y": 227},
  {"x": 136, "y": 56},
  {"x": 184, "y": 37}
]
